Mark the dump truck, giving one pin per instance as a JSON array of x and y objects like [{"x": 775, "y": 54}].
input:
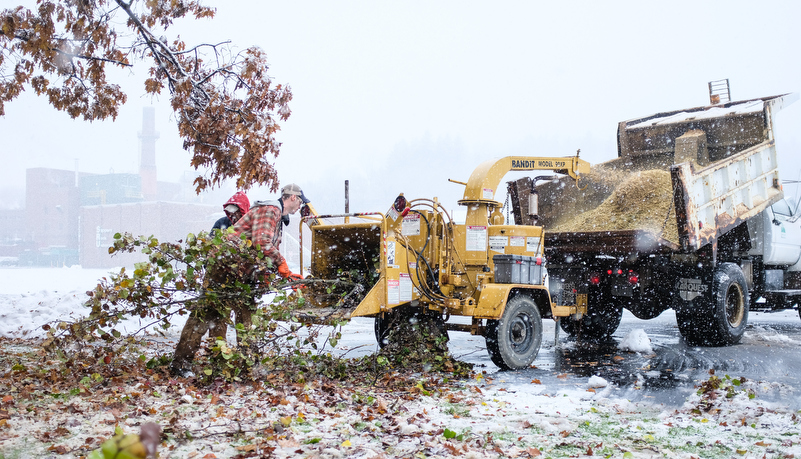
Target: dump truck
[
  {"x": 691, "y": 216},
  {"x": 415, "y": 262}
]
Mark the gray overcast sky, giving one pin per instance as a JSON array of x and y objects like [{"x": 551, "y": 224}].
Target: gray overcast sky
[{"x": 400, "y": 96}]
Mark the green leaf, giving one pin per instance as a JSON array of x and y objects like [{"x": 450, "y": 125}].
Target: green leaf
[{"x": 449, "y": 434}]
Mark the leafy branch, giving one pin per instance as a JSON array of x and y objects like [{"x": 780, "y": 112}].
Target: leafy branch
[
  {"x": 226, "y": 104},
  {"x": 208, "y": 272}
]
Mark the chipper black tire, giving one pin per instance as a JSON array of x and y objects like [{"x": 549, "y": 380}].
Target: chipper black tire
[
  {"x": 394, "y": 318},
  {"x": 719, "y": 319},
  {"x": 600, "y": 322},
  {"x": 382, "y": 326},
  {"x": 514, "y": 340}
]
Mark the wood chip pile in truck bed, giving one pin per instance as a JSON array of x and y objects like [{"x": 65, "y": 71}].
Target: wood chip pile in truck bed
[{"x": 639, "y": 200}]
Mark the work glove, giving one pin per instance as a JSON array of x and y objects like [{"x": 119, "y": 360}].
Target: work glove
[{"x": 283, "y": 270}]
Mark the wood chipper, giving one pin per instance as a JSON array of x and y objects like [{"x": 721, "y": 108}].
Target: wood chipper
[{"x": 416, "y": 261}]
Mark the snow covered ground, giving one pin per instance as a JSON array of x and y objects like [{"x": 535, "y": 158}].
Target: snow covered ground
[
  {"x": 524, "y": 420},
  {"x": 32, "y": 297}
]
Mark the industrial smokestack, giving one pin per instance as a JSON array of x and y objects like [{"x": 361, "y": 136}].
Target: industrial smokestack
[{"x": 147, "y": 161}]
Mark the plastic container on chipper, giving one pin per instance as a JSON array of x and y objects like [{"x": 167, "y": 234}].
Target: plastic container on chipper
[
  {"x": 511, "y": 269},
  {"x": 534, "y": 272}
]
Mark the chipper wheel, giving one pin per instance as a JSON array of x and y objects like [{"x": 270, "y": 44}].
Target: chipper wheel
[
  {"x": 513, "y": 342},
  {"x": 400, "y": 319}
]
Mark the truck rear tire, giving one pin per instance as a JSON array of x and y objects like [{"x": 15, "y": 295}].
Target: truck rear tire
[
  {"x": 514, "y": 340},
  {"x": 600, "y": 322},
  {"x": 721, "y": 321}
]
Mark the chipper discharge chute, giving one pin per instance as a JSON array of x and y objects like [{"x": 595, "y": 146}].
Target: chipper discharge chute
[{"x": 415, "y": 261}]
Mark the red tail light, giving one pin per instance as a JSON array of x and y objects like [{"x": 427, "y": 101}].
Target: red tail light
[
  {"x": 595, "y": 279},
  {"x": 633, "y": 277},
  {"x": 609, "y": 272}
]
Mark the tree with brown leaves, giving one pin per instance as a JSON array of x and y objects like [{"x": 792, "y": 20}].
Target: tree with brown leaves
[{"x": 226, "y": 104}]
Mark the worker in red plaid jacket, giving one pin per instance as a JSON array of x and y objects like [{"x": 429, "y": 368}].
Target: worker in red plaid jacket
[{"x": 263, "y": 226}]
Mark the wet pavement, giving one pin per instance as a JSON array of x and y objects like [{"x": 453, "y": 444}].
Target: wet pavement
[{"x": 769, "y": 352}]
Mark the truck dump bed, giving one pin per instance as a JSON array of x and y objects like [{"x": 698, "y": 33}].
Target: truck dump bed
[
  {"x": 613, "y": 243},
  {"x": 681, "y": 179}
]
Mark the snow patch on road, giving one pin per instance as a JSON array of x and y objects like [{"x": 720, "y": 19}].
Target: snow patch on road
[
  {"x": 637, "y": 341},
  {"x": 596, "y": 382}
]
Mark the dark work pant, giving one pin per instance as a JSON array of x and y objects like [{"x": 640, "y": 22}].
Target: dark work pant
[
  {"x": 199, "y": 322},
  {"x": 242, "y": 315}
]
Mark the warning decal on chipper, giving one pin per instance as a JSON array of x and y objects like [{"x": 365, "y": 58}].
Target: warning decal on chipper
[
  {"x": 393, "y": 291},
  {"x": 527, "y": 165},
  {"x": 411, "y": 225},
  {"x": 390, "y": 248},
  {"x": 476, "y": 238},
  {"x": 498, "y": 243},
  {"x": 533, "y": 244},
  {"x": 690, "y": 289},
  {"x": 405, "y": 287}
]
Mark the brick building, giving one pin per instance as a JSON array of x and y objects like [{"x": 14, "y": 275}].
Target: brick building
[
  {"x": 70, "y": 217},
  {"x": 168, "y": 221}
]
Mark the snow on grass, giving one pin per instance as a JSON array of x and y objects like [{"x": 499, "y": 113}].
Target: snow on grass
[
  {"x": 33, "y": 297},
  {"x": 478, "y": 419},
  {"x": 473, "y": 419}
]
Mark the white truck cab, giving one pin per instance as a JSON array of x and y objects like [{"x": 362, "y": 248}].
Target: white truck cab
[{"x": 776, "y": 236}]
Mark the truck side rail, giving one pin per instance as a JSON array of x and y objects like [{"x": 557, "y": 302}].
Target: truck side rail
[
  {"x": 713, "y": 200},
  {"x": 617, "y": 242},
  {"x": 722, "y": 159}
]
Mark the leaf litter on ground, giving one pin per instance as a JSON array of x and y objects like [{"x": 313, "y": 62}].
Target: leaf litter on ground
[{"x": 46, "y": 411}]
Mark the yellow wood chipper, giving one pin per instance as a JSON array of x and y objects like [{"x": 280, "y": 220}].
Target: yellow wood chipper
[{"x": 415, "y": 261}]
